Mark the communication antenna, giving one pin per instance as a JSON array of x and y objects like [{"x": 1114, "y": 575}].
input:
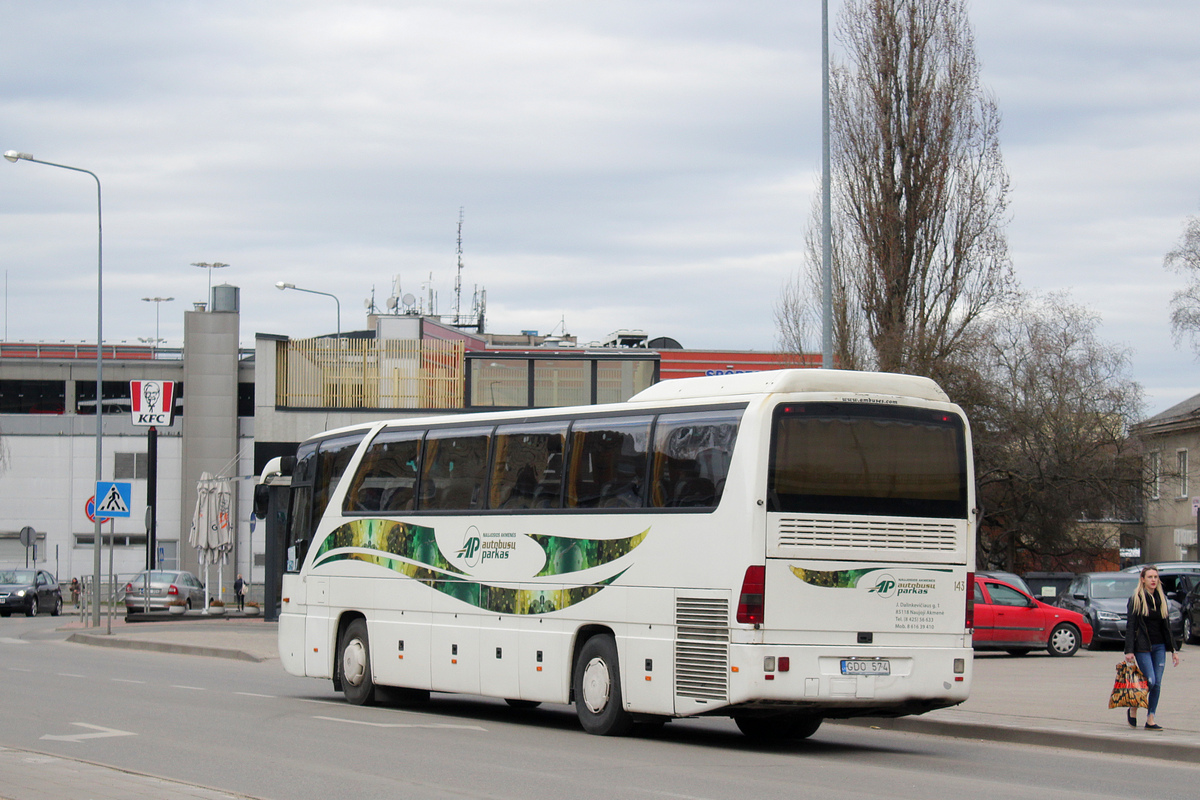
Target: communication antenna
[
  {"x": 458, "y": 277},
  {"x": 408, "y": 301}
]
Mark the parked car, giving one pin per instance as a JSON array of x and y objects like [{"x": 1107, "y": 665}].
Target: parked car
[
  {"x": 166, "y": 588},
  {"x": 1007, "y": 618},
  {"x": 1103, "y": 598},
  {"x": 29, "y": 591},
  {"x": 1011, "y": 578},
  {"x": 1177, "y": 566}
]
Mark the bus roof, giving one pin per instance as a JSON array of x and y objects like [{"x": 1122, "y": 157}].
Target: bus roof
[{"x": 790, "y": 381}]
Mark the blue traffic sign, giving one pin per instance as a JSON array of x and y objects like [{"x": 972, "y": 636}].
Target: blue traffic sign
[{"x": 113, "y": 499}]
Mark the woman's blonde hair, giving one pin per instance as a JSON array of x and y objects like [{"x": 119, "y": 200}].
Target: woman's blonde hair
[{"x": 1140, "y": 601}]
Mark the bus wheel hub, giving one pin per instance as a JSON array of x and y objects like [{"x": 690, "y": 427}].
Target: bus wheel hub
[{"x": 596, "y": 686}]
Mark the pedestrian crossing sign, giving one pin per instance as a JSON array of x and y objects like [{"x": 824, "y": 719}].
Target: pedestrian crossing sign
[{"x": 112, "y": 499}]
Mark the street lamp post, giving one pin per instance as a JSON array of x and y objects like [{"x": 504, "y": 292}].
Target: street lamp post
[
  {"x": 158, "y": 301},
  {"x": 281, "y": 285},
  {"x": 210, "y": 266},
  {"x": 14, "y": 157}
]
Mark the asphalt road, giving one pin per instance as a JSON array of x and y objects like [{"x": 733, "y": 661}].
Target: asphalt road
[{"x": 252, "y": 729}]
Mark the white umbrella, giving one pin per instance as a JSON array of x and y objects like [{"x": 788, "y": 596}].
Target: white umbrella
[{"x": 220, "y": 527}]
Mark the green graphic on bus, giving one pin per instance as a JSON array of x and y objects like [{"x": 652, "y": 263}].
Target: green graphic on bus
[{"x": 412, "y": 551}]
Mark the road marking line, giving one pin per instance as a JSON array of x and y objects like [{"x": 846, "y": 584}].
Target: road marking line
[
  {"x": 20, "y": 669},
  {"x": 69, "y": 675},
  {"x": 126, "y": 680},
  {"x": 403, "y": 724},
  {"x": 100, "y": 733},
  {"x": 252, "y": 694},
  {"x": 193, "y": 688}
]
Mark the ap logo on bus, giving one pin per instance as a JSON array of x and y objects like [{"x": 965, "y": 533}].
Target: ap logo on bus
[
  {"x": 471, "y": 547},
  {"x": 884, "y": 587}
]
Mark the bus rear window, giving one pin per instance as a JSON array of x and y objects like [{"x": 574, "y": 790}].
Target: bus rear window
[{"x": 834, "y": 458}]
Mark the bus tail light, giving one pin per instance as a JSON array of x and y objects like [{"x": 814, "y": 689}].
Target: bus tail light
[
  {"x": 970, "y": 600},
  {"x": 750, "y": 601}
]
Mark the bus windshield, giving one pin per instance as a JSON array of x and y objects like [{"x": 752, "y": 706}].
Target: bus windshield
[{"x": 841, "y": 458}]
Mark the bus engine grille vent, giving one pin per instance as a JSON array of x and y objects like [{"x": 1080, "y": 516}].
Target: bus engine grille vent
[
  {"x": 702, "y": 648},
  {"x": 873, "y": 534}
]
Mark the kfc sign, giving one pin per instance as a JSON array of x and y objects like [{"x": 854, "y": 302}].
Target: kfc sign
[{"x": 152, "y": 402}]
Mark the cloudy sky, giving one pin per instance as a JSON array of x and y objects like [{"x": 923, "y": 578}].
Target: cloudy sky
[{"x": 645, "y": 164}]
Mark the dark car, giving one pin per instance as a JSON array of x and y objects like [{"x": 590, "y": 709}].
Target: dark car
[
  {"x": 1103, "y": 598},
  {"x": 29, "y": 591},
  {"x": 1007, "y": 618}
]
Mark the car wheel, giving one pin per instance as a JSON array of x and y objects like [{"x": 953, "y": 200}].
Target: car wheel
[
  {"x": 1189, "y": 635},
  {"x": 597, "y": 683},
  {"x": 1064, "y": 640},
  {"x": 778, "y": 726},
  {"x": 57, "y": 610},
  {"x": 354, "y": 664},
  {"x": 4, "y": 613},
  {"x": 33, "y": 608}
]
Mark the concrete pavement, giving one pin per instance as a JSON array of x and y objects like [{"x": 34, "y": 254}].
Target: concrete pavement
[{"x": 1035, "y": 699}]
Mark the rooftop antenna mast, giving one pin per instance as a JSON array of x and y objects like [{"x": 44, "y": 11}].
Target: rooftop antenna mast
[{"x": 458, "y": 277}]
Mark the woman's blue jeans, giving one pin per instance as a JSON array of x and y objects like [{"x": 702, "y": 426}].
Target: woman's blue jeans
[{"x": 1152, "y": 665}]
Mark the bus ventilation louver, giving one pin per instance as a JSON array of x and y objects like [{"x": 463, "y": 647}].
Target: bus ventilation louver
[
  {"x": 876, "y": 534},
  {"x": 702, "y": 648}
]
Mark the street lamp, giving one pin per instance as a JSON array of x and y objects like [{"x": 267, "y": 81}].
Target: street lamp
[
  {"x": 281, "y": 285},
  {"x": 14, "y": 157},
  {"x": 158, "y": 301},
  {"x": 210, "y": 267}
]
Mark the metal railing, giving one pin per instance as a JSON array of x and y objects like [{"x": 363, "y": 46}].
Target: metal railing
[{"x": 367, "y": 373}]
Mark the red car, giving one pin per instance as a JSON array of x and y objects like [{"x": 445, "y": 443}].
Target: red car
[{"x": 1008, "y": 619}]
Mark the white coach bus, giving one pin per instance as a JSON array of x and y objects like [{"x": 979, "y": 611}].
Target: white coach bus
[{"x": 779, "y": 547}]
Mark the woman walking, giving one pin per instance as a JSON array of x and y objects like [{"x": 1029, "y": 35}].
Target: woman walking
[{"x": 1148, "y": 639}]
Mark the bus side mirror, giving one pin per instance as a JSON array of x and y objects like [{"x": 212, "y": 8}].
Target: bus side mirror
[{"x": 262, "y": 496}]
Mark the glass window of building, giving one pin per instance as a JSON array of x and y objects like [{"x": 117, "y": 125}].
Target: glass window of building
[{"x": 500, "y": 382}]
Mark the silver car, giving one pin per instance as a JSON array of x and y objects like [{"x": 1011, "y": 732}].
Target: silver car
[{"x": 166, "y": 588}]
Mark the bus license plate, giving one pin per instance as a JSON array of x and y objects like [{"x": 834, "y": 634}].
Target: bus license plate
[{"x": 873, "y": 666}]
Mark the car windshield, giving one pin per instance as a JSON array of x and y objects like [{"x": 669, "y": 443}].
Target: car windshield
[
  {"x": 1114, "y": 586},
  {"x": 16, "y": 576}
]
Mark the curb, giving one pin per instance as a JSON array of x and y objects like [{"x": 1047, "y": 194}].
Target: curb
[
  {"x": 1070, "y": 740},
  {"x": 163, "y": 647}
]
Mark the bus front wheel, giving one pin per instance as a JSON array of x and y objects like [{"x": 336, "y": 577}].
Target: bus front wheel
[
  {"x": 354, "y": 664},
  {"x": 597, "y": 684}
]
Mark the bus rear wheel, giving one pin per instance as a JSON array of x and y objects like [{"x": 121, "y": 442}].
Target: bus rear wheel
[
  {"x": 779, "y": 726},
  {"x": 597, "y": 684},
  {"x": 354, "y": 664}
]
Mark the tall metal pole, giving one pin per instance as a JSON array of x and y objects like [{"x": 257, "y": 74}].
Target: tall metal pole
[
  {"x": 14, "y": 157},
  {"x": 826, "y": 215}
]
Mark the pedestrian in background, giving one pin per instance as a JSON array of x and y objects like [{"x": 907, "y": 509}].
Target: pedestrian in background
[
  {"x": 239, "y": 589},
  {"x": 75, "y": 591},
  {"x": 1148, "y": 639}
]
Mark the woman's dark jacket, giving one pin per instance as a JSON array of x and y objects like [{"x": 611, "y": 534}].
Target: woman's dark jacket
[{"x": 1137, "y": 629}]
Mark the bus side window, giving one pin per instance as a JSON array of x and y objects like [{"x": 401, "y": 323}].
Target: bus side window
[
  {"x": 333, "y": 457},
  {"x": 608, "y": 462},
  {"x": 692, "y": 452},
  {"x": 386, "y": 480},
  {"x": 454, "y": 470},
  {"x": 528, "y": 466}
]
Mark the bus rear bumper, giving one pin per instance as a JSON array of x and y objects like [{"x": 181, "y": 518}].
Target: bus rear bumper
[{"x": 850, "y": 681}]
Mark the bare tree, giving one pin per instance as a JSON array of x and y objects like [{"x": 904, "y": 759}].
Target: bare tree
[
  {"x": 919, "y": 188},
  {"x": 1052, "y": 440},
  {"x": 1185, "y": 305}
]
